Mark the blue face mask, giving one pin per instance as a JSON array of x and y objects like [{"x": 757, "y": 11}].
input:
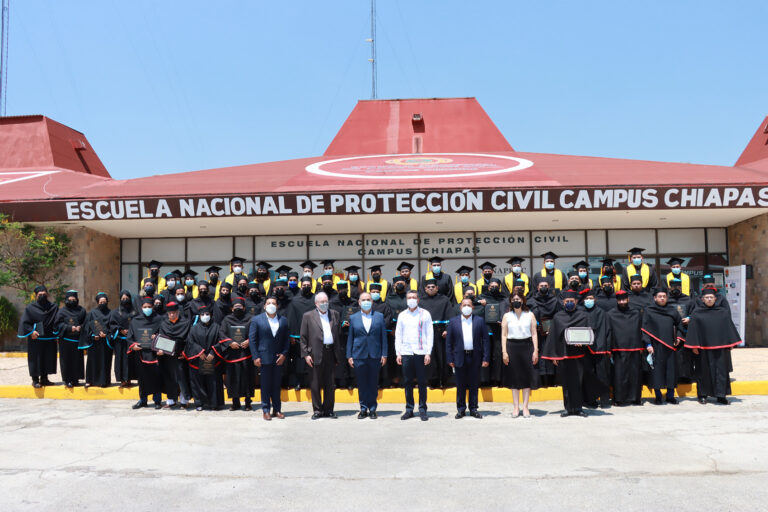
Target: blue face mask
[
  {"x": 328, "y": 272},
  {"x": 170, "y": 283},
  {"x": 676, "y": 271},
  {"x": 147, "y": 312},
  {"x": 549, "y": 265},
  {"x": 569, "y": 306},
  {"x": 293, "y": 284},
  {"x": 436, "y": 269},
  {"x": 589, "y": 303},
  {"x": 375, "y": 295},
  {"x": 353, "y": 278},
  {"x": 465, "y": 279},
  {"x": 582, "y": 274},
  {"x": 189, "y": 282},
  {"x": 366, "y": 304},
  {"x": 637, "y": 261}
]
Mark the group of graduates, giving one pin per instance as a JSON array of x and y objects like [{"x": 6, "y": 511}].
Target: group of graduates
[{"x": 645, "y": 332}]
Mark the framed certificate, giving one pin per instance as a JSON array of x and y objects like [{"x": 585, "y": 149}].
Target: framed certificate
[
  {"x": 546, "y": 324},
  {"x": 145, "y": 337},
  {"x": 579, "y": 336},
  {"x": 348, "y": 312},
  {"x": 492, "y": 313},
  {"x": 238, "y": 333},
  {"x": 167, "y": 345}
]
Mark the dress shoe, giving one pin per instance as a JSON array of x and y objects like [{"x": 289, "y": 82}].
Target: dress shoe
[
  {"x": 248, "y": 407},
  {"x": 373, "y": 415},
  {"x": 460, "y": 415},
  {"x": 702, "y": 400},
  {"x": 45, "y": 382},
  {"x": 407, "y": 415},
  {"x": 722, "y": 400},
  {"x": 331, "y": 415},
  {"x": 37, "y": 385},
  {"x": 278, "y": 415},
  {"x": 476, "y": 414},
  {"x": 362, "y": 415},
  {"x": 423, "y": 416},
  {"x": 266, "y": 416},
  {"x": 564, "y": 414},
  {"x": 672, "y": 400},
  {"x": 234, "y": 407},
  {"x": 583, "y": 414},
  {"x": 158, "y": 405},
  {"x": 316, "y": 416},
  {"x": 139, "y": 405},
  {"x": 638, "y": 402},
  {"x": 175, "y": 407},
  {"x": 657, "y": 401}
]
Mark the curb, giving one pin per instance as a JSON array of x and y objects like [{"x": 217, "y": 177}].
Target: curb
[{"x": 387, "y": 396}]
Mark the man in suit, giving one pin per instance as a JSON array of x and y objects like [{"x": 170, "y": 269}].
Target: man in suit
[
  {"x": 468, "y": 348},
  {"x": 321, "y": 349},
  {"x": 367, "y": 352},
  {"x": 269, "y": 343}
]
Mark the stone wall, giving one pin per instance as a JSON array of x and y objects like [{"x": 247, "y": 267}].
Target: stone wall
[
  {"x": 748, "y": 245},
  {"x": 97, "y": 268}
]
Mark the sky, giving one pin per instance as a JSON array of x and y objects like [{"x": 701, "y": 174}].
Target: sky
[{"x": 174, "y": 86}]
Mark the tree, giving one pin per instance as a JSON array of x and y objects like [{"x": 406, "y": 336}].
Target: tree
[{"x": 30, "y": 257}]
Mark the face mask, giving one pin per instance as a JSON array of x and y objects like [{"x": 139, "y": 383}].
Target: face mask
[
  {"x": 181, "y": 298},
  {"x": 436, "y": 269},
  {"x": 307, "y": 274},
  {"x": 293, "y": 284},
  {"x": 466, "y": 310},
  {"x": 224, "y": 296},
  {"x": 582, "y": 274},
  {"x": 493, "y": 290},
  {"x": 465, "y": 279},
  {"x": 400, "y": 287},
  {"x": 189, "y": 282},
  {"x": 517, "y": 304},
  {"x": 270, "y": 308},
  {"x": 589, "y": 303},
  {"x": 375, "y": 295},
  {"x": 280, "y": 292},
  {"x": 676, "y": 271},
  {"x": 637, "y": 261},
  {"x": 608, "y": 288},
  {"x": 323, "y": 307},
  {"x": 239, "y": 313},
  {"x": 149, "y": 290},
  {"x": 125, "y": 302},
  {"x": 328, "y": 272},
  {"x": 487, "y": 275},
  {"x": 376, "y": 277},
  {"x": 242, "y": 288},
  {"x": 517, "y": 269},
  {"x": 72, "y": 304},
  {"x": 261, "y": 274},
  {"x": 237, "y": 270},
  {"x": 213, "y": 279},
  {"x": 675, "y": 292},
  {"x": 153, "y": 272},
  {"x": 412, "y": 303},
  {"x": 103, "y": 307},
  {"x": 205, "y": 318},
  {"x": 569, "y": 306},
  {"x": 42, "y": 300},
  {"x": 574, "y": 285},
  {"x": 254, "y": 296},
  {"x": 549, "y": 265},
  {"x": 170, "y": 283},
  {"x": 159, "y": 308},
  {"x": 366, "y": 305},
  {"x": 608, "y": 271},
  {"x": 147, "y": 311},
  {"x": 203, "y": 294},
  {"x": 353, "y": 278},
  {"x": 328, "y": 287},
  {"x": 306, "y": 290}
]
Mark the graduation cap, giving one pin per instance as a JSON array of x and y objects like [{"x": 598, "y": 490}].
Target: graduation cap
[
  {"x": 178, "y": 273},
  {"x": 309, "y": 264},
  {"x": 674, "y": 261},
  {"x": 237, "y": 259},
  {"x": 171, "y": 306},
  {"x": 147, "y": 300},
  {"x": 636, "y": 250},
  {"x": 282, "y": 281},
  {"x": 170, "y": 274},
  {"x": 570, "y": 294},
  {"x": 213, "y": 269},
  {"x": 675, "y": 282},
  {"x": 405, "y": 265},
  {"x": 606, "y": 279},
  {"x": 70, "y": 293},
  {"x": 375, "y": 286},
  {"x": 283, "y": 269},
  {"x": 292, "y": 274},
  {"x": 428, "y": 282},
  {"x": 462, "y": 269},
  {"x": 658, "y": 290},
  {"x": 190, "y": 273},
  {"x": 202, "y": 309},
  {"x": 581, "y": 264},
  {"x": 154, "y": 263},
  {"x": 608, "y": 262},
  {"x": 398, "y": 279},
  {"x": 242, "y": 277},
  {"x": 516, "y": 283},
  {"x": 515, "y": 260},
  {"x": 549, "y": 255},
  {"x": 375, "y": 268},
  {"x": 179, "y": 287},
  {"x": 572, "y": 273},
  {"x": 498, "y": 281},
  {"x": 263, "y": 265},
  {"x": 435, "y": 259},
  {"x": 584, "y": 291},
  {"x": 203, "y": 282},
  {"x": 352, "y": 268},
  {"x": 238, "y": 300},
  {"x": 621, "y": 294},
  {"x": 635, "y": 277},
  {"x": 306, "y": 279},
  {"x": 327, "y": 263},
  {"x": 342, "y": 284},
  {"x": 708, "y": 279},
  {"x": 708, "y": 290},
  {"x": 326, "y": 277},
  {"x": 100, "y": 295},
  {"x": 226, "y": 286},
  {"x": 253, "y": 283},
  {"x": 487, "y": 265}
]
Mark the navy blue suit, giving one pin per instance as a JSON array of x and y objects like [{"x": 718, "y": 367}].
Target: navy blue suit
[
  {"x": 366, "y": 348},
  {"x": 467, "y": 363},
  {"x": 267, "y": 347}
]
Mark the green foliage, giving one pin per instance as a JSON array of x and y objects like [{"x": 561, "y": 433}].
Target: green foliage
[
  {"x": 31, "y": 256},
  {"x": 9, "y": 317}
]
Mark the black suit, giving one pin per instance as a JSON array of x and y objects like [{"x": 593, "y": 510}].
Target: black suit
[{"x": 324, "y": 357}]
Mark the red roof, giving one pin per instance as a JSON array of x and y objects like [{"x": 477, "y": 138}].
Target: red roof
[{"x": 757, "y": 149}]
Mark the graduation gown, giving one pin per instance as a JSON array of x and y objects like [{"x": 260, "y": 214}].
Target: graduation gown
[
  {"x": 491, "y": 375},
  {"x": 98, "y": 370},
  {"x": 660, "y": 327},
  {"x": 345, "y": 307},
  {"x": 70, "y": 358},
  {"x": 222, "y": 308},
  {"x": 238, "y": 366},
  {"x": 600, "y": 351},
  {"x": 205, "y": 384},
  {"x": 579, "y": 382},
  {"x": 140, "y": 332},
  {"x": 297, "y": 367},
  {"x": 392, "y": 373},
  {"x": 628, "y": 352},
  {"x": 441, "y": 308},
  {"x": 544, "y": 308},
  {"x": 174, "y": 372},
  {"x": 41, "y": 353},
  {"x": 443, "y": 281},
  {"x": 604, "y": 300},
  {"x": 685, "y": 357},
  {"x": 640, "y": 300},
  {"x": 712, "y": 332},
  {"x": 125, "y": 363}
]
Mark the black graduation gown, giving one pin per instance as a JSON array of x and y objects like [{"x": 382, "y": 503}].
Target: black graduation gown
[
  {"x": 253, "y": 308},
  {"x": 137, "y": 300},
  {"x": 441, "y": 308},
  {"x": 296, "y": 373},
  {"x": 174, "y": 372},
  {"x": 544, "y": 308},
  {"x": 140, "y": 332},
  {"x": 492, "y": 375},
  {"x": 640, "y": 300},
  {"x": 685, "y": 357},
  {"x": 98, "y": 370},
  {"x": 222, "y": 308},
  {"x": 600, "y": 351},
  {"x": 628, "y": 352},
  {"x": 604, "y": 300},
  {"x": 386, "y": 377},
  {"x": 444, "y": 285},
  {"x": 41, "y": 353},
  {"x": 238, "y": 366},
  {"x": 579, "y": 382},
  {"x": 660, "y": 326},
  {"x": 125, "y": 363},
  {"x": 344, "y": 374},
  {"x": 205, "y": 385},
  {"x": 652, "y": 279},
  {"x": 712, "y": 333},
  {"x": 195, "y": 305},
  {"x": 70, "y": 358},
  {"x": 537, "y": 278}
]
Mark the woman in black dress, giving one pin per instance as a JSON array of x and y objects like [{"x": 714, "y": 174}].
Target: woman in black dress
[{"x": 520, "y": 352}]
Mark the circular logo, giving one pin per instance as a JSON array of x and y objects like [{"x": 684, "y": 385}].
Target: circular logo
[{"x": 418, "y": 166}]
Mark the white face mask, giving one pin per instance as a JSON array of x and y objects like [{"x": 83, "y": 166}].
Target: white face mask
[
  {"x": 205, "y": 318},
  {"x": 180, "y": 297},
  {"x": 466, "y": 310},
  {"x": 237, "y": 270},
  {"x": 307, "y": 274},
  {"x": 517, "y": 270},
  {"x": 170, "y": 283},
  {"x": 412, "y": 303},
  {"x": 271, "y": 309}
]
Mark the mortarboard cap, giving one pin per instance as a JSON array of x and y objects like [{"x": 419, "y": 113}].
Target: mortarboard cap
[
  {"x": 674, "y": 261},
  {"x": 375, "y": 268},
  {"x": 352, "y": 268},
  {"x": 154, "y": 263},
  {"x": 405, "y": 264},
  {"x": 213, "y": 269},
  {"x": 462, "y": 269},
  {"x": 263, "y": 264},
  {"x": 283, "y": 269},
  {"x": 515, "y": 260},
  {"x": 635, "y": 277},
  {"x": 487, "y": 265},
  {"x": 308, "y": 263},
  {"x": 428, "y": 282},
  {"x": 549, "y": 255},
  {"x": 581, "y": 264},
  {"x": 435, "y": 259},
  {"x": 636, "y": 250}
]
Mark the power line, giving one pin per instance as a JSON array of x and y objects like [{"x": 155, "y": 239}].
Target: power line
[{"x": 4, "y": 29}]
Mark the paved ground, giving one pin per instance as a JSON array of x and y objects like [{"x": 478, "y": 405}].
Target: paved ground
[{"x": 84, "y": 455}]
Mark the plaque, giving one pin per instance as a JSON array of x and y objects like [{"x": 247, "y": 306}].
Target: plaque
[
  {"x": 207, "y": 367},
  {"x": 546, "y": 324},
  {"x": 348, "y": 312},
  {"x": 97, "y": 327},
  {"x": 579, "y": 336},
  {"x": 167, "y": 345},
  {"x": 144, "y": 337},
  {"x": 492, "y": 313},
  {"x": 238, "y": 333}
]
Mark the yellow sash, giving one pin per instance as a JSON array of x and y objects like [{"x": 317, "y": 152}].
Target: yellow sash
[
  {"x": 458, "y": 291},
  {"x": 686, "y": 285},
  {"x": 384, "y": 288},
  {"x": 645, "y": 272},
  {"x": 616, "y": 280},
  {"x": 509, "y": 281},
  {"x": 336, "y": 279},
  {"x": 558, "y": 277}
]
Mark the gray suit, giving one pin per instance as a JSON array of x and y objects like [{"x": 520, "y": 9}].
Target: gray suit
[{"x": 324, "y": 357}]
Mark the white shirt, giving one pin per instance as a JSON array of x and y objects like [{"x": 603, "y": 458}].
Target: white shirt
[
  {"x": 466, "y": 329},
  {"x": 327, "y": 333},
  {"x": 409, "y": 339},
  {"x": 519, "y": 329},
  {"x": 274, "y": 324},
  {"x": 367, "y": 319}
]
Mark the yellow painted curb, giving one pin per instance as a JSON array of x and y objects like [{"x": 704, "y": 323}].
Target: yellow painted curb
[
  {"x": 13, "y": 354},
  {"x": 387, "y": 396}
]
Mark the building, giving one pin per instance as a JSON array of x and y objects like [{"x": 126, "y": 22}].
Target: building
[{"x": 402, "y": 180}]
